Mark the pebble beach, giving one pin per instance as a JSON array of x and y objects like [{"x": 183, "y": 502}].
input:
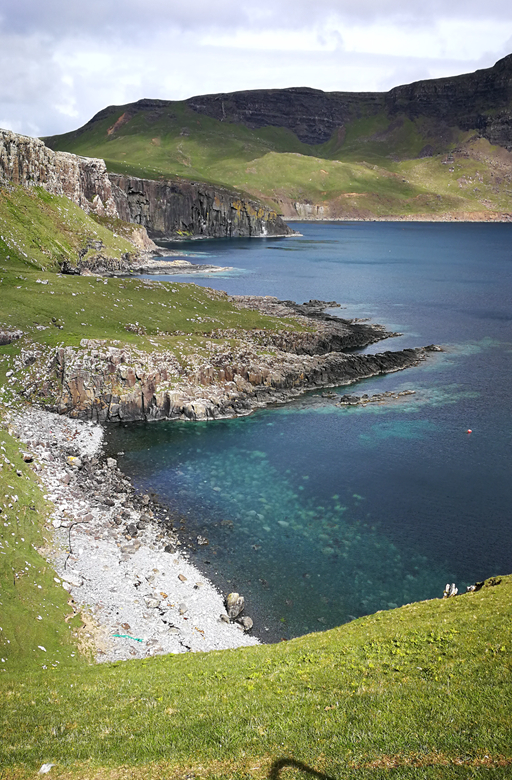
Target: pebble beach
[{"x": 115, "y": 552}]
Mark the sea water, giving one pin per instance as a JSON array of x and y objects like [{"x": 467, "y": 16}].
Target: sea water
[{"x": 318, "y": 514}]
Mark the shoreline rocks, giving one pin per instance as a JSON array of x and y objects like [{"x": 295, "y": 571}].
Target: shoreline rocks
[
  {"x": 260, "y": 367},
  {"x": 116, "y": 553}
]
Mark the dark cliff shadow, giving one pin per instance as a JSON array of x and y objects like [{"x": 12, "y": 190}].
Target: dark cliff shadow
[{"x": 281, "y": 763}]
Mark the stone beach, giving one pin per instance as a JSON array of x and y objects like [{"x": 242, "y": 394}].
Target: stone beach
[{"x": 115, "y": 552}]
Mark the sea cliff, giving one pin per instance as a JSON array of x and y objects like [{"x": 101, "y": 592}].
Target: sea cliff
[
  {"x": 244, "y": 370},
  {"x": 181, "y": 208},
  {"x": 165, "y": 209}
]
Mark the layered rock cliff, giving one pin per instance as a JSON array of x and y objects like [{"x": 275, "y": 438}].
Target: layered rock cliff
[
  {"x": 244, "y": 369},
  {"x": 166, "y": 209},
  {"x": 30, "y": 163},
  {"x": 479, "y": 101},
  {"x": 174, "y": 209}
]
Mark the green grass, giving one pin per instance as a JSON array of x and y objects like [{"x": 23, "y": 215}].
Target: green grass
[
  {"x": 373, "y": 168},
  {"x": 33, "y": 607},
  {"x": 424, "y": 688},
  {"x": 40, "y": 230}
]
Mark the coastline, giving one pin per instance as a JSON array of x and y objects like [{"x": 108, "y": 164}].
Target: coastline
[
  {"x": 125, "y": 384},
  {"x": 141, "y": 588}
]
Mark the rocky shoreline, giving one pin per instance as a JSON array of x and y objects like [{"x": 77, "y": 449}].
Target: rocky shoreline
[
  {"x": 116, "y": 552},
  {"x": 180, "y": 266},
  {"x": 105, "y": 383}
]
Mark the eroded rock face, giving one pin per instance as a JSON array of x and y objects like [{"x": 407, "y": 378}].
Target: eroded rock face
[
  {"x": 165, "y": 209},
  {"x": 30, "y": 163},
  {"x": 474, "y": 101},
  {"x": 107, "y": 383},
  {"x": 182, "y": 208}
]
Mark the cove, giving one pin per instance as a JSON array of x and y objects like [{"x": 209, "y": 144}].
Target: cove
[{"x": 319, "y": 513}]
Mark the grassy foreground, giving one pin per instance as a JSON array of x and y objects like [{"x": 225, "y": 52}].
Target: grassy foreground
[{"x": 420, "y": 691}]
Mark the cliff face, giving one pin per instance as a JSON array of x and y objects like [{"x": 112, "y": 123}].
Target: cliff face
[
  {"x": 124, "y": 386},
  {"x": 164, "y": 209},
  {"x": 311, "y": 114},
  {"x": 183, "y": 208},
  {"x": 480, "y": 101},
  {"x": 84, "y": 180}
]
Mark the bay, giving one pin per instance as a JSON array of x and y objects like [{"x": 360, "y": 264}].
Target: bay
[{"x": 319, "y": 514}]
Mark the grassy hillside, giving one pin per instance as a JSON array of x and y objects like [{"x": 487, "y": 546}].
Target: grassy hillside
[
  {"x": 375, "y": 167},
  {"x": 420, "y": 691},
  {"x": 40, "y": 231}
]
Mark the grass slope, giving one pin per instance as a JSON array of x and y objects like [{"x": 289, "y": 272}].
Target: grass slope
[
  {"x": 374, "y": 167},
  {"x": 420, "y": 691},
  {"x": 41, "y": 230},
  {"x": 33, "y": 606}
]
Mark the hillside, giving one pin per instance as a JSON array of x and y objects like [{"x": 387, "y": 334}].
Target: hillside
[{"x": 438, "y": 149}]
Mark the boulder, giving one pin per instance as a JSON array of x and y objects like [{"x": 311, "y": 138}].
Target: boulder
[{"x": 234, "y": 605}]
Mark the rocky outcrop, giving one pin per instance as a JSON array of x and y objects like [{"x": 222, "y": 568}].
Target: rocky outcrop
[
  {"x": 30, "y": 163},
  {"x": 108, "y": 384},
  {"x": 236, "y": 372},
  {"x": 479, "y": 101},
  {"x": 313, "y": 115},
  {"x": 181, "y": 208},
  {"x": 166, "y": 209}
]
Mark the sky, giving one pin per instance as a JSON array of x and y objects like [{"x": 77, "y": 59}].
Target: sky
[{"x": 61, "y": 61}]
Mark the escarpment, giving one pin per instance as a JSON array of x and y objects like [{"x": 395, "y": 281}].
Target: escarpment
[
  {"x": 165, "y": 209},
  {"x": 480, "y": 101},
  {"x": 180, "y": 208},
  {"x": 30, "y": 163}
]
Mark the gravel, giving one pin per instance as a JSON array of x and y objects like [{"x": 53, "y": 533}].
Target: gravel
[{"x": 138, "y": 599}]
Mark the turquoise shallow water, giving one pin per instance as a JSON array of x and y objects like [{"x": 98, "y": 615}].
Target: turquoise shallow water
[{"x": 319, "y": 514}]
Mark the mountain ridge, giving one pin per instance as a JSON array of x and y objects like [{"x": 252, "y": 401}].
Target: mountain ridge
[
  {"x": 430, "y": 149},
  {"x": 242, "y": 105}
]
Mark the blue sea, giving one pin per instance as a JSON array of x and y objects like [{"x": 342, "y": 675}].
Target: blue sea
[{"x": 319, "y": 514}]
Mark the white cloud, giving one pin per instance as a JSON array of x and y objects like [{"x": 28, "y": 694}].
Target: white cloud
[{"x": 61, "y": 61}]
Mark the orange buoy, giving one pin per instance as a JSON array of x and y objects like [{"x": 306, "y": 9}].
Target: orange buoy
[{"x": 469, "y": 430}]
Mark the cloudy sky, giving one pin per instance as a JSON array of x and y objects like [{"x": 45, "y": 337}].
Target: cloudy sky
[{"x": 61, "y": 61}]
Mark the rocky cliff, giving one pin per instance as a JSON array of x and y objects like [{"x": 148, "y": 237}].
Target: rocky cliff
[
  {"x": 244, "y": 369},
  {"x": 30, "y": 163},
  {"x": 164, "y": 208},
  {"x": 314, "y": 116},
  {"x": 479, "y": 101},
  {"x": 182, "y": 208}
]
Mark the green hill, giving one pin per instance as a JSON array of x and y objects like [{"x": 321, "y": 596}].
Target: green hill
[{"x": 431, "y": 149}]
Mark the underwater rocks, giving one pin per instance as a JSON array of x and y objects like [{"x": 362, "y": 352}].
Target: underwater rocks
[{"x": 362, "y": 400}]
